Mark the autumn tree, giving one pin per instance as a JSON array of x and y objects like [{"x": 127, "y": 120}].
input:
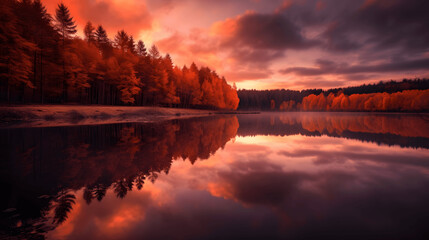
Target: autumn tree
[
  {"x": 15, "y": 60},
  {"x": 121, "y": 73},
  {"x": 42, "y": 60}
]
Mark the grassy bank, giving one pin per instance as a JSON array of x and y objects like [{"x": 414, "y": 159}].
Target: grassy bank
[{"x": 63, "y": 115}]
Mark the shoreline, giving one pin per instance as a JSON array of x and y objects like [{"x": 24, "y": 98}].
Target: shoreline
[{"x": 70, "y": 115}]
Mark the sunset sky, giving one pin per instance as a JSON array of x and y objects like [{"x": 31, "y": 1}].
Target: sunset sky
[{"x": 269, "y": 44}]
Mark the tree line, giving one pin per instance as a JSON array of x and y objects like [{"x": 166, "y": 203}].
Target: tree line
[
  {"x": 406, "y": 95},
  {"x": 43, "y": 61}
]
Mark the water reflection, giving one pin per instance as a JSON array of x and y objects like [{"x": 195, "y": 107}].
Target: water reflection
[
  {"x": 40, "y": 166},
  {"x": 405, "y": 130},
  {"x": 283, "y": 176}
]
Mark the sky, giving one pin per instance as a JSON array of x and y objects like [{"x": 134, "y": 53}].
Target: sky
[{"x": 273, "y": 44}]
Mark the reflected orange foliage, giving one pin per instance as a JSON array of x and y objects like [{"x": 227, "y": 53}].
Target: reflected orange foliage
[
  {"x": 408, "y": 127},
  {"x": 287, "y": 105}
]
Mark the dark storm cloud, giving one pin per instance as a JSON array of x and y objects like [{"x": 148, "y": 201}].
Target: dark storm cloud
[
  {"x": 329, "y": 67},
  {"x": 266, "y": 188},
  {"x": 376, "y": 30},
  {"x": 263, "y": 31},
  {"x": 389, "y": 24},
  {"x": 345, "y": 202},
  {"x": 351, "y": 25}
]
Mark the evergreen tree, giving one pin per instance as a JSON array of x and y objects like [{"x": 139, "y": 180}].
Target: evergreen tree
[
  {"x": 121, "y": 40},
  {"x": 103, "y": 42},
  {"x": 89, "y": 32},
  {"x": 154, "y": 52},
  {"x": 65, "y": 23},
  {"x": 131, "y": 45},
  {"x": 141, "y": 49},
  {"x": 66, "y": 28}
]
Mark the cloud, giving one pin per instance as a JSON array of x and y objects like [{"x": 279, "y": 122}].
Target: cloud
[
  {"x": 261, "y": 31},
  {"x": 319, "y": 82},
  {"x": 247, "y": 75},
  {"x": 323, "y": 157},
  {"x": 329, "y": 67},
  {"x": 382, "y": 25}
]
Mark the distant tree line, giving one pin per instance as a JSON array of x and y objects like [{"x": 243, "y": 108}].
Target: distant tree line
[
  {"x": 405, "y": 95},
  {"x": 43, "y": 61}
]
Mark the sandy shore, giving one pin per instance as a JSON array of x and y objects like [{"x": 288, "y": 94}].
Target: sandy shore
[{"x": 64, "y": 115}]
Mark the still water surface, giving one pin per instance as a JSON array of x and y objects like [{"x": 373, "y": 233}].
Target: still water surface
[{"x": 265, "y": 176}]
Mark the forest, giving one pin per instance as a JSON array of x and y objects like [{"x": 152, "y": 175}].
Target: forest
[
  {"x": 407, "y": 95},
  {"x": 42, "y": 60}
]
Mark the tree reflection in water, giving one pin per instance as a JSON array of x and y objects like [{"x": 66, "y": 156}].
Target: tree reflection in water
[{"x": 43, "y": 167}]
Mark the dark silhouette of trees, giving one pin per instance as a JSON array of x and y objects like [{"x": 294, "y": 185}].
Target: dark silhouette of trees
[
  {"x": 42, "y": 61},
  {"x": 100, "y": 191},
  {"x": 63, "y": 205},
  {"x": 88, "y": 194},
  {"x": 121, "y": 188}
]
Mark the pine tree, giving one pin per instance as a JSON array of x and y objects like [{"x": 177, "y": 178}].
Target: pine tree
[
  {"x": 65, "y": 23},
  {"x": 44, "y": 58},
  {"x": 121, "y": 40},
  {"x": 89, "y": 32},
  {"x": 141, "y": 49},
  {"x": 66, "y": 28},
  {"x": 101, "y": 35},
  {"x": 154, "y": 52},
  {"x": 103, "y": 42},
  {"x": 131, "y": 45}
]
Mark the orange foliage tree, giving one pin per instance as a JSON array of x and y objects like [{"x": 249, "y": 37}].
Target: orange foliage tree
[
  {"x": 408, "y": 100},
  {"x": 96, "y": 70}
]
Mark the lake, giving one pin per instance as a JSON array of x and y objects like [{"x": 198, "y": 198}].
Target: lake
[{"x": 250, "y": 176}]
